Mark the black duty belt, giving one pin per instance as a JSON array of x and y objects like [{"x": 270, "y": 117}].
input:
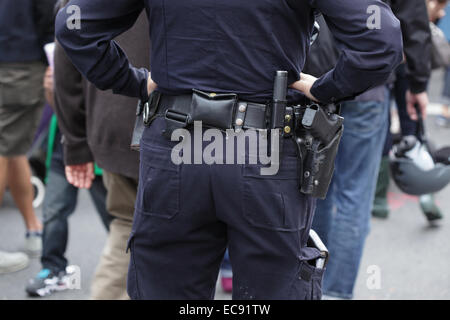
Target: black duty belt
[
  {"x": 221, "y": 111},
  {"x": 316, "y": 130}
]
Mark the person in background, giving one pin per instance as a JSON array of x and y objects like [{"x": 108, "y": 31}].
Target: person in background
[
  {"x": 408, "y": 126},
  {"x": 59, "y": 204},
  {"x": 24, "y": 30},
  {"x": 443, "y": 20},
  {"x": 98, "y": 126},
  {"x": 343, "y": 219}
]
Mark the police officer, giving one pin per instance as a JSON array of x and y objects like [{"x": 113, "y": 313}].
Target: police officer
[{"x": 186, "y": 215}]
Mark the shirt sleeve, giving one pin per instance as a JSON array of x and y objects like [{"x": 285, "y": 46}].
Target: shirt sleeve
[
  {"x": 85, "y": 30},
  {"x": 70, "y": 109},
  {"x": 369, "y": 38},
  {"x": 417, "y": 39}
]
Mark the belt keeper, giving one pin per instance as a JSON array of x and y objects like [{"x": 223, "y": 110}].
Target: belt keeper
[
  {"x": 289, "y": 124},
  {"x": 240, "y": 116}
]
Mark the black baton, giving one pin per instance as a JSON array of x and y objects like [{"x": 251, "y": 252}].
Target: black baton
[{"x": 279, "y": 100}]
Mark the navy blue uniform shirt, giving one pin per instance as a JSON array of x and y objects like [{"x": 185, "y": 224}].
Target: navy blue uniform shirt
[{"x": 231, "y": 45}]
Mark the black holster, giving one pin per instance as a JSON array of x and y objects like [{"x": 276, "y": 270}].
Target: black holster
[{"x": 317, "y": 134}]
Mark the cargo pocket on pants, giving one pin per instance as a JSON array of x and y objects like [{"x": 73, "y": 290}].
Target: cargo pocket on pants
[
  {"x": 159, "y": 183},
  {"x": 308, "y": 283}
]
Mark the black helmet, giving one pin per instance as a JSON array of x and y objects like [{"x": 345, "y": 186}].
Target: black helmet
[
  {"x": 414, "y": 170},
  {"x": 442, "y": 156}
]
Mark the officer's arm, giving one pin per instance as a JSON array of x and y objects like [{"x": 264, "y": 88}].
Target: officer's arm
[
  {"x": 88, "y": 43},
  {"x": 370, "y": 49},
  {"x": 417, "y": 41}
]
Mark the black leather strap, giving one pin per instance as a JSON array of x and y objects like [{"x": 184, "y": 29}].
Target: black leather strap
[{"x": 247, "y": 115}]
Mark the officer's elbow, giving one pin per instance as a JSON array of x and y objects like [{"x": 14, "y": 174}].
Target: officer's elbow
[{"x": 67, "y": 29}]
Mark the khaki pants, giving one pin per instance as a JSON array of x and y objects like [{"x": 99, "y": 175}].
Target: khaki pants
[
  {"x": 110, "y": 280},
  {"x": 21, "y": 105}
]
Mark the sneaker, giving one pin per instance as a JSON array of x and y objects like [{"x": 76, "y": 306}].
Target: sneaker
[
  {"x": 13, "y": 262},
  {"x": 46, "y": 282},
  {"x": 33, "y": 244},
  {"x": 430, "y": 209},
  {"x": 227, "y": 284}
]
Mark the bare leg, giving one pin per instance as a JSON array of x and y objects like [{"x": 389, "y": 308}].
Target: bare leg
[
  {"x": 446, "y": 111},
  {"x": 19, "y": 182},
  {"x": 3, "y": 176}
]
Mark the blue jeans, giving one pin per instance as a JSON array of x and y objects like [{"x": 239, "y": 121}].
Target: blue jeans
[
  {"x": 343, "y": 219},
  {"x": 59, "y": 203}
]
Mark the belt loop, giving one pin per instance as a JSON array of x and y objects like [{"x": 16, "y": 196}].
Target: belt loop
[{"x": 240, "y": 116}]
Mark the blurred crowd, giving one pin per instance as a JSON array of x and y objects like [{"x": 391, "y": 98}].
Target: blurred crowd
[{"x": 59, "y": 134}]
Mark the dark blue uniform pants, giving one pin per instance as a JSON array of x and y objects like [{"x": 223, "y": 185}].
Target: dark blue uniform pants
[{"x": 186, "y": 216}]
